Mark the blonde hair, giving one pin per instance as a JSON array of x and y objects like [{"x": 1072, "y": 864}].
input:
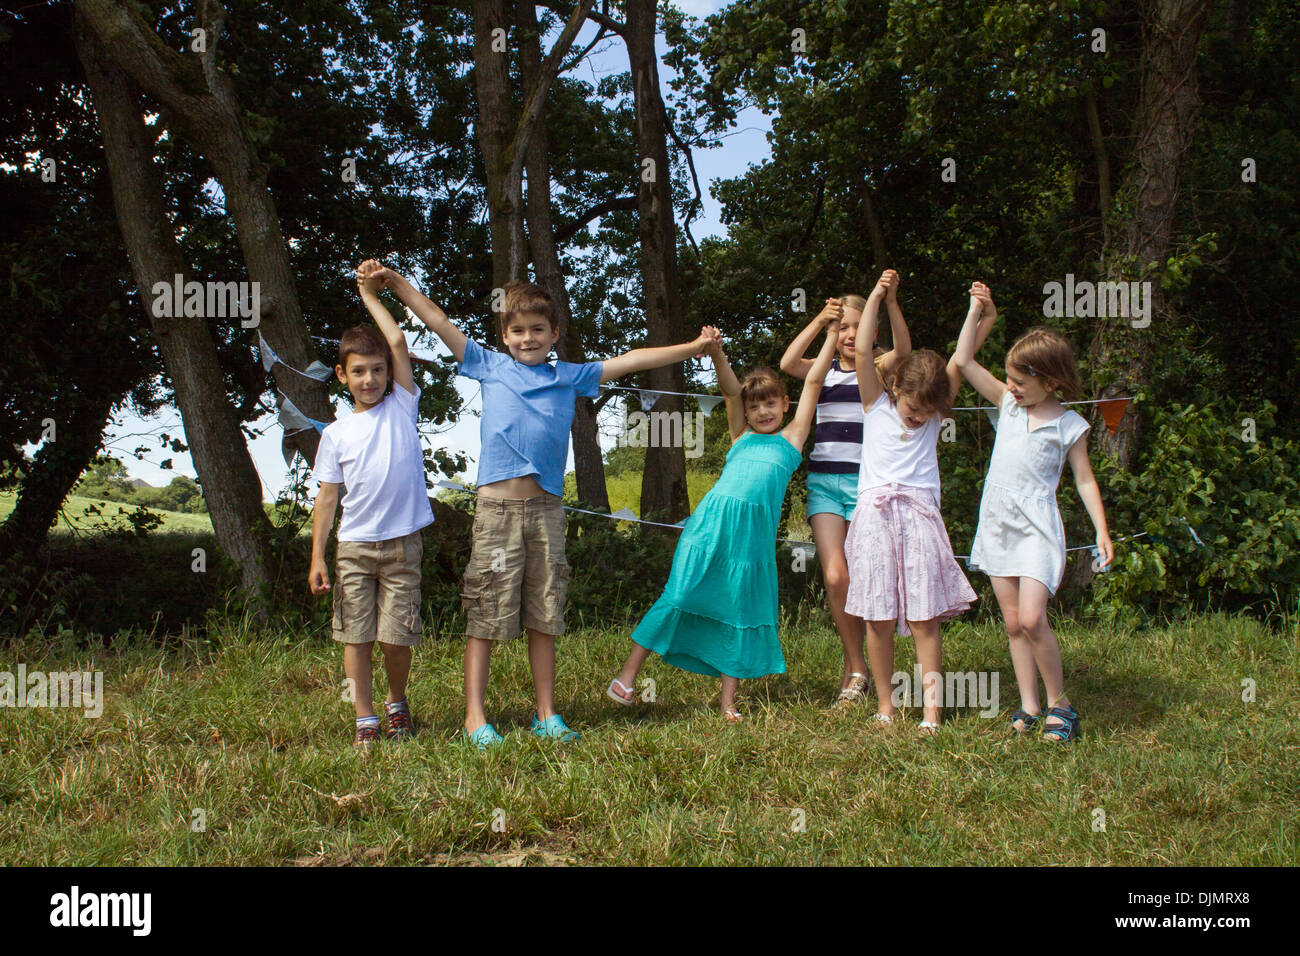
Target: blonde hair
[
  {"x": 1044, "y": 353},
  {"x": 854, "y": 302}
]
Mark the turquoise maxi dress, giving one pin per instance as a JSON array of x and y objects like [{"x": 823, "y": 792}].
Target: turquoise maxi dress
[{"x": 717, "y": 614}]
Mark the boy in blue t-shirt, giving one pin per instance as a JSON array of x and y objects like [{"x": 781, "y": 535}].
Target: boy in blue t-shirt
[{"x": 517, "y": 573}]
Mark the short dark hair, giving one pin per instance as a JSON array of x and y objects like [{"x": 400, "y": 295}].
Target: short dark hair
[
  {"x": 526, "y": 297},
  {"x": 364, "y": 340}
]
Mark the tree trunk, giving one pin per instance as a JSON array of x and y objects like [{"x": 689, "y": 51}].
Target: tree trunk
[
  {"x": 1164, "y": 125},
  {"x": 588, "y": 462},
  {"x": 496, "y": 123},
  {"x": 200, "y": 103},
  {"x": 53, "y": 471},
  {"x": 663, "y": 485},
  {"x": 231, "y": 486}
]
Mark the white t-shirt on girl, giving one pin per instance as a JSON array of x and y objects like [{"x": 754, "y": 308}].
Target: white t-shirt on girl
[
  {"x": 895, "y": 454},
  {"x": 376, "y": 454}
]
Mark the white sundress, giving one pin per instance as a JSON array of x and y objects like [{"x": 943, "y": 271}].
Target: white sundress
[{"x": 1020, "y": 531}]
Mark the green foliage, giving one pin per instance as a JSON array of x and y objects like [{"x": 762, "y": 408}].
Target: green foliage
[{"x": 1240, "y": 497}]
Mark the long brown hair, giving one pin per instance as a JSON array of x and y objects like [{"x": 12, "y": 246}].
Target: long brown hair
[{"x": 1044, "y": 353}]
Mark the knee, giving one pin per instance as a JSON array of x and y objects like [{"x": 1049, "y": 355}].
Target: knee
[
  {"x": 1014, "y": 630},
  {"x": 837, "y": 579},
  {"x": 1033, "y": 626}
]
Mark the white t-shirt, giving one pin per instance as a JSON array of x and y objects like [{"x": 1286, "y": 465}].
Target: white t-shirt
[
  {"x": 894, "y": 454},
  {"x": 376, "y": 455}
]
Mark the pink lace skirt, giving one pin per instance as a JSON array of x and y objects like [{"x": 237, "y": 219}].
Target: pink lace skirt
[{"x": 901, "y": 565}]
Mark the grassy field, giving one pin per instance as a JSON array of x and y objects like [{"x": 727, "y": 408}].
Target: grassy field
[
  {"x": 75, "y": 514},
  {"x": 249, "y": 728}
]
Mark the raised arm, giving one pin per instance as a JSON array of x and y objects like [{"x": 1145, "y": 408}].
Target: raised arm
[
  {"x": 869, "y": 386},
  {"x": 369, "y": 285},
  {"x": 727, "y": 381},
  {"x": 793, "y": 361},
  {"x": 796, "y": 433},
  {"x": 901, "y": 338},
  {"x": 638, "y": 360},
  {"x": 433, "y": 317},
  {"x": 973, "y": 333}
]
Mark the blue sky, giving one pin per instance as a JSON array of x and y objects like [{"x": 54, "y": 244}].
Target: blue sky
[{"x": 747, "y": 144}]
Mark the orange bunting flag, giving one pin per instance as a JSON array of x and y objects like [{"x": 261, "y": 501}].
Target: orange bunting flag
[{"x": 1112, "y": 410}]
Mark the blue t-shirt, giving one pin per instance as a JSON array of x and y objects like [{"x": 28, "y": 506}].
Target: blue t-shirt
[{"x": 527, "y": 413}]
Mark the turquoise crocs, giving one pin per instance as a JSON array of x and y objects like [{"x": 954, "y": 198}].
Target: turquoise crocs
[
  {"x": 555, "y": 728},
  {"x": 486, "y": 736}
]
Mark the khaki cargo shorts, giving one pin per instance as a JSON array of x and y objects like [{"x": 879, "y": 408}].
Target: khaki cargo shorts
[
  {"x": 377, "y": 591},
  {"x": 517, "y": 564}
]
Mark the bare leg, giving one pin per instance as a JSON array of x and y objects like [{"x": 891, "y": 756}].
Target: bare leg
[
  {"x": 829, "y": 531},
  {"x": 478, "y": 657},
  {"x": 929, "y": 654},
  {"x": 632, "y": 666},
  {"x": 541, "y": 658},
  {"x": 1046, "y": 652},
  {"x": 880, "y": 647},
  {"x": 356, "y": 668},
  {"x": 1022, "y": 652},
  {"x": 729, "y": 687},
  {"x": 397, "y": 664}
]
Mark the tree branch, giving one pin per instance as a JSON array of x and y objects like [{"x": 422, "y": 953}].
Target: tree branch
[
  {"x": 569, "y": 229},
  {"x": 602, "y": 18}
]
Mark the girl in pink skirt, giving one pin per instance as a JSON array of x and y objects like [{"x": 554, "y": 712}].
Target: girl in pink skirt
[{"x": 902, "y": 573}]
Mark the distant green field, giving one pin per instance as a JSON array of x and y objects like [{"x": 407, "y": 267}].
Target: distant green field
[{"x": 112, "y": 514}]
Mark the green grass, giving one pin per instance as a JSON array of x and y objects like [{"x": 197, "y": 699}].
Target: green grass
[
  {"x": 250, "y": 728},
  {"x": 112, "y": 512}
]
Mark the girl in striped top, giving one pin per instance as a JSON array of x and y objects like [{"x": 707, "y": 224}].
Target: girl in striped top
[{"x": 834, "y": 463}]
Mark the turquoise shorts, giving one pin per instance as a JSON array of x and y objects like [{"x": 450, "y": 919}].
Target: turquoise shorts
[{"x": 832, "y": 494}]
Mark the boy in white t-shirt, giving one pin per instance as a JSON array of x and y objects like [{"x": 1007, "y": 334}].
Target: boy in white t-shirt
[{"x": 375, "y": 453}]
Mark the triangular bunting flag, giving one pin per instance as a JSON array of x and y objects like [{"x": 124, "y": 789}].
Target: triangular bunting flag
[
  {"x": 624, "y": 514},
  {"x": 648, "y": 398},
  {"x": 319, "y": 372},
  {"x": 292, "y": 420},
  {"x": 709, "y": 402},
  {"x": 269, "y": 358},
  {"x": 287, "y": 450},
  {"x": 992, "y": 413},
  {"x": 452, "y": 486},
  {"x": 1112, "y": 410}
]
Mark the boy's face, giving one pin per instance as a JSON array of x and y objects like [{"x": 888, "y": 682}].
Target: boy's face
[
  {"x": 766, "y": 416},
  {"x": 366, "y": 377},
  {"x": 529, "y": 337}
]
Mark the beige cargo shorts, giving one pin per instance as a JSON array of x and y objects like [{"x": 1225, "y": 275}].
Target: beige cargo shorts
[
  {"x": 377, "y": 591},
  {"x": 517, "y": 576}
]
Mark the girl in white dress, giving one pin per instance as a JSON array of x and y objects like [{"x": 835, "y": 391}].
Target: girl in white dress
[{"x": 1020, "y": 541}]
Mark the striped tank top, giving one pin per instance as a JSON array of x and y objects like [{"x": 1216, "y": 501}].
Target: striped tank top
[{"x": 838, "y": 448}]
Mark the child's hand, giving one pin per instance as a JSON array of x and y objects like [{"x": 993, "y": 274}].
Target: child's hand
[
  {"x": 981, "y": 294},
  {"x": 832, "y": 310},
  {"x": 1105, "y": 550},
  {"x": 710, "y": 340},
  {"x": 889, "y": 282},
  {"x": 318, "y": 579},
  {"x": 371, "y": 277}
]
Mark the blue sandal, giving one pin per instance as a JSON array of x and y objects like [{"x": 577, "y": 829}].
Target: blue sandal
[
  {"x": 1028, "y": 720},
  {"x": 555, "y": 728},
  {"x": 1069, "y": 730},
  {"x": 484, "y": 737}
]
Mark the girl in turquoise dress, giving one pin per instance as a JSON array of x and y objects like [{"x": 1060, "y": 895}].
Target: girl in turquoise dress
[{"x": 717, "y": 615}]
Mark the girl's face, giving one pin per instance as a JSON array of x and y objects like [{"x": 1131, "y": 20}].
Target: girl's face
[
  {"x": 847, "y": 341},
  {"x": 913, "y": 414},
  {"x": 766, "y": 416},
  {"x": 1028, "y": 390}
]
